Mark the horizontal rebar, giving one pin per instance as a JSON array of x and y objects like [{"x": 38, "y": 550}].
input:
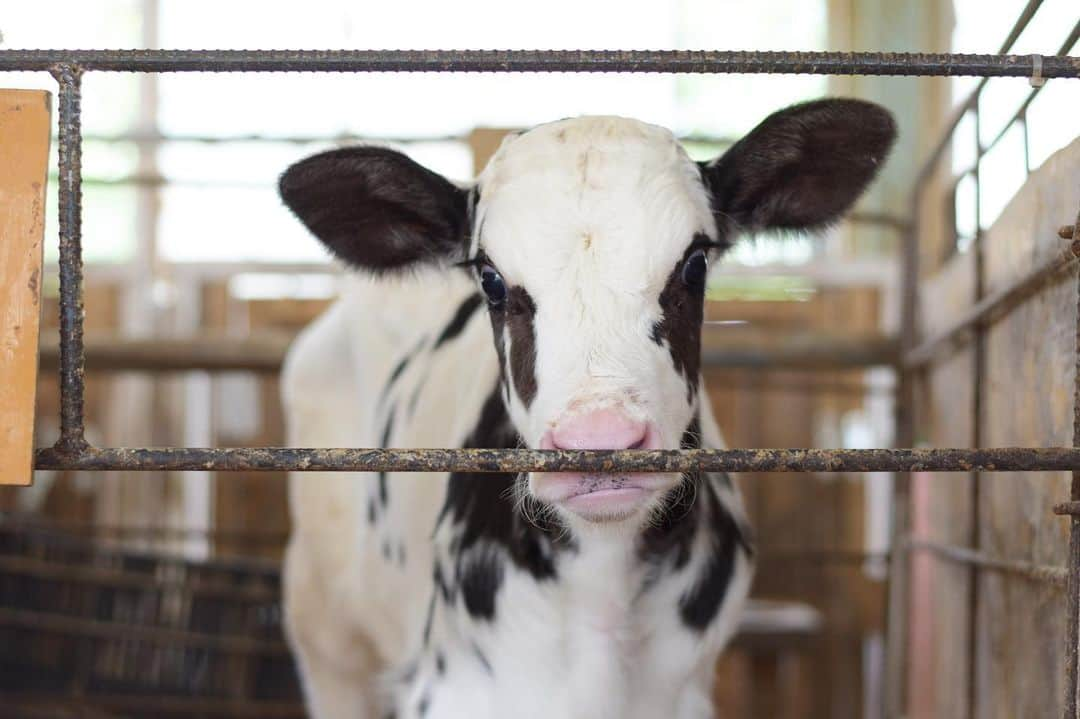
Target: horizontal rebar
[
  {"x": 267, "y": 459},
  {"x": 970, "y": 557},
  {"x": 664, "y": 61},
  {"x": 1067, "y": 508},
  {"x": 994, "y": 305}
]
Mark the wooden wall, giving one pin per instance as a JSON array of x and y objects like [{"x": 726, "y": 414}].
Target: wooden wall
[
  {"x": 995, "y": 648},
  {"x": 800, "y": 520}
]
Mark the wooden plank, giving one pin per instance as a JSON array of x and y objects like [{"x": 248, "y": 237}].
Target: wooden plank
[
  {"x": 1027, "y": 400},
  {"x": 24, "y": 156}
]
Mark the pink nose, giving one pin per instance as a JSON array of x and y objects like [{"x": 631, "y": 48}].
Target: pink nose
[{"x": 600, "y": 429}]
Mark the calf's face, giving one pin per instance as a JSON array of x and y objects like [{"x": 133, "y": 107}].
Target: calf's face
[{"x": 590, "y": 239}]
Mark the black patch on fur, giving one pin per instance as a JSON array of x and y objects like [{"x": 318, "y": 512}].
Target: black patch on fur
[
  {"x": 399, "y": 369},
  {"x": 396, "y": 373},
  {"x": 657, "y": 333},
  {"x": 376, "y": 209},
  {"x": 440, "y": 662},
  {"x": 482, "y": 508},
  {"x": 672, "y": 535},
  {"x": 682, "y": 310},
  {"x": 480, "y": 578},
  {"x": 430, "y": 619},
  {"x": 384, "y": 489},
  {"x": 401, "y": 553},
  {"x": 442, "y": 585},
  {"x": 423, "y": 704},
  {"x": 482, "y": 658},
  {"x": 802, "y": 167},
  {"x": 416, "y": 397},
  {"x": 457, "y": 323},
  {"x": 372, "y": 511},
  {"x": 699, "y": 606},
  {"x": 485, "y": 526},
  {"x": 386, "y": 552},
  {"x": 516, "y": 316}
]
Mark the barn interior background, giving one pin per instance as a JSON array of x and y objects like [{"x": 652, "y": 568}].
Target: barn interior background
[{"x": 156, "y": 593}]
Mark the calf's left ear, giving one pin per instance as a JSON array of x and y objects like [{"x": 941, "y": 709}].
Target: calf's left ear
[{"x": 802, "y": 167}]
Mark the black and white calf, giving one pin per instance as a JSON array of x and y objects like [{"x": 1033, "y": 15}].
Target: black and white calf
[{"x": 556, "y": 303}]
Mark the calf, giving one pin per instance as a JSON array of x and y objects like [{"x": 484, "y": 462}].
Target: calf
[{"x": 555, "y": 303}]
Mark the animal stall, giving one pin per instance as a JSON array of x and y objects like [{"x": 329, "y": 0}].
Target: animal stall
[{"x": 138, "y": 634}]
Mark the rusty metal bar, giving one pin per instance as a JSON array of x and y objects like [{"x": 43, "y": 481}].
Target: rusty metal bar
[
  {"x": 665, "y": 61},
  {"x": 71, "y": 307},
  {"x": 274, "y": 459},
  {"x": 993, "y": 306},
  {"x": 1021, "y": 111},
  {"x": 978, "y": 372},
  {"x": 930, "y": 164},
  {"x": 973, "y": 558},
  {"x": 1066, "y": 508}
]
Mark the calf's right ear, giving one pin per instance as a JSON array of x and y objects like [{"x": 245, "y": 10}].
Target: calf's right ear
[{"x": 376, "y": 209}]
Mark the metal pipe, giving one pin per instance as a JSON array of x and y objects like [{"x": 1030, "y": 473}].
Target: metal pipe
[
  {"x": 991, "y": 307},
  {"x": 972, "y": 558},
  {"x": 972, "y": 100},
  {"x": 277, "y": 459},
  {"x": 71, "y": 302},
  {"x": 630, "y": 61},
  {"x": 1032, "y": 94}
]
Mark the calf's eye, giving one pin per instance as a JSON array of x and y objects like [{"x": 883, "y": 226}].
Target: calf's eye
[
  {"x": 492, "y": 284},
  {"x": 694, "y": 270}
]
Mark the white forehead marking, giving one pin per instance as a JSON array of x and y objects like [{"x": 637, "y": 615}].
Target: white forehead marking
[{"x": 622, "y": 191}]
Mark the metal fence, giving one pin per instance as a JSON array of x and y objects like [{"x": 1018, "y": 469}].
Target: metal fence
[{"x": 72, "y": 451}]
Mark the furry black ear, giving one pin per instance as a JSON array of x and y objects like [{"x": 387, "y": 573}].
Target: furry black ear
[
  {"x": 802, "y": 167},
  {"x": 376, "y": 209}
]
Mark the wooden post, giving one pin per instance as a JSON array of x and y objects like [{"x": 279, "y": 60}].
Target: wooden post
[{"x": 25, "y": 122}]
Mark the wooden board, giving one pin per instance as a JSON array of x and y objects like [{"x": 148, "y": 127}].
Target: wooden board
[
  {"x": 24, "y": 149},
  {"x": 1027, "y": 401},
  {"x": 998, "y": 643}
]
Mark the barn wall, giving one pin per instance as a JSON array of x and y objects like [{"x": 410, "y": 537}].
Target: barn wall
[
  {"x": 802, "y": 523},
  {"x": 1027, "y": 399}
]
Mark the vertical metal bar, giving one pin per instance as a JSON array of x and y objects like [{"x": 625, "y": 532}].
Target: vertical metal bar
[
  {"x": 897, "y": 610},
  {"x": 1022, "y": 119},
  {"x": 1072, "y": 591},
  {"x": 72, "y": 439},
  {"x": 978, "y": 359}
]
